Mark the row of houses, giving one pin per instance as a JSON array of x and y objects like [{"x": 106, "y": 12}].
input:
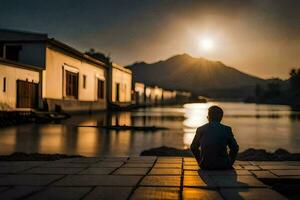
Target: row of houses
[
  {"x": 154, "y": 95},
  {"x": 43, "y": 73}
]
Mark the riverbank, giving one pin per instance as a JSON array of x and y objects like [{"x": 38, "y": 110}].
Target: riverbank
[{"x": 247, "y": 155}]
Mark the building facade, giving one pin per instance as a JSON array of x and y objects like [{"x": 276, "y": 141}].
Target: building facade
[
  {"x": 139, "y": 93},
  {"x": 19, "y": 85},
  {"x": 120, "y": 85},
  {"x": 69, "y": 79}
]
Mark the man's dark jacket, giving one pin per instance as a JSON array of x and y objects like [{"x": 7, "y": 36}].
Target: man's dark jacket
[{"x": 210, "y": 146}]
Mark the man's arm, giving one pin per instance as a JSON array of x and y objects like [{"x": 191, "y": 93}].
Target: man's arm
[
  {"x": 233, "y": 147},
  {"x": 196, "y": 144}
]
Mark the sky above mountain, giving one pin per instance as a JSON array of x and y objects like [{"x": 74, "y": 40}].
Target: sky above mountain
[{"x": 260, "y": 37}]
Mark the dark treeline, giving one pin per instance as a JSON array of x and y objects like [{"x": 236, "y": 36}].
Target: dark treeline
[
  {"x": 99, "y": 56},
  {"x": 278, "y": 91}
]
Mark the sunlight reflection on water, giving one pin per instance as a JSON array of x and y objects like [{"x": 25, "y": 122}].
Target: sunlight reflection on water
[{"x": 258, "y": 126}]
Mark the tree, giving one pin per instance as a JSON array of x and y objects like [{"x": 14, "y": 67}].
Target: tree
[
  {"x": 100, "y": 56},
  {"x": 295, "y": 79},
  {"x": 273, "y": 89}
]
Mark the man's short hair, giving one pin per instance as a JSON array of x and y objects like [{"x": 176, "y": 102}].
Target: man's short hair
[{"x": 215, "y": 113}]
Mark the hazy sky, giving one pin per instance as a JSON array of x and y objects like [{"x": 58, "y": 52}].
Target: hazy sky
[{"x": 261, "y": 37}]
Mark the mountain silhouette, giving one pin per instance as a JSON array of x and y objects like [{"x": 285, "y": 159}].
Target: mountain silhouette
[{"x": 198, "y": 75}]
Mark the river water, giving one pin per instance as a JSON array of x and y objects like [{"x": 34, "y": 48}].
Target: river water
[{"x": 255, "y": 126}]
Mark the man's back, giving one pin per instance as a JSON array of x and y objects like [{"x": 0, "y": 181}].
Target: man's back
[{"x": 213, "y": 139}]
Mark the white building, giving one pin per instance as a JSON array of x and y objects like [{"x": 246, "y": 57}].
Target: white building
[
  {"x": 139, "y": 93},
  {"x": 18, "y": 85},
  {"x": 120, "y": 85},
  {"x": 153, "y": 95},
  {"x": 69, "y": 79}
]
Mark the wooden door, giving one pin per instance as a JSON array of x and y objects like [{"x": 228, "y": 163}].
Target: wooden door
[
  {"x": 27, "y": 94},
  {"x": 117, "y": 91}
]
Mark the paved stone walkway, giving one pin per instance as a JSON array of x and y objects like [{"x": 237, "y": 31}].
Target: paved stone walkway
[{"x": 139, "y": 178}]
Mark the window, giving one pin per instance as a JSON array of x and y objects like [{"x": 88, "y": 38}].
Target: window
[
  {"x": 12, "y": 52},
  {"x": 84, "y": 81},
  {"x": 72, "y": 84},
  {"x": 100, "y": 89},
  {"x": 117, "y": 91},
  {"x": 4, "y": 84}
]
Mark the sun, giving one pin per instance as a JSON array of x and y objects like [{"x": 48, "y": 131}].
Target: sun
[{"x": 206, "y": 44}]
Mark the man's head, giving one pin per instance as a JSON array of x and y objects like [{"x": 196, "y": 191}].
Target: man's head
[{"x": 215, "y": 114}]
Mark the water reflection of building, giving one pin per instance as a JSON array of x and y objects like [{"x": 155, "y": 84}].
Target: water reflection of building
[
  {"x": 87, "y": 141},
  {"x": 8, "y": 141},
  {"x": 52, "y": 139},
  {"x": 139, "y": 93}
]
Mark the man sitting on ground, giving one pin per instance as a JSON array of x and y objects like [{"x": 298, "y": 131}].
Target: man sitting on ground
[{"x": 211, "y": 141}]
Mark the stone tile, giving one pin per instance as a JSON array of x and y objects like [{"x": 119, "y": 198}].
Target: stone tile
[
  {"x": 19, "y": 192},
  {"x": 141, "y": 162},
  {"x": 115, "y": 158},
  {"x": 131, "y": 171},
  {"x": 237, "y": 181},
  {"x": 165, "y": 171},
  {"x": 143, "y": 158},
  {"x": 187, "y": 159},
  {"x": 251, "y": 194},
  {"x": 167, "y": 165},
  {"x": 191, "y": 163},
  {"x": 60, "y": 193},
  {"x": 65, "y": 165},
  {"x": 169, "y": 160},
  {"x": 112, "y": 193},
  {"x": 224, "y": 172},
  {"x": 138, "y": 165},
  {"x": 66, "y": 160},
  {"x": 286, "y": 172},
  {"x": 13, "y": 169},
  {"x": 191, "y": 173},
  {"x": 23, "y": 163},
  {"x": 98, "y": 170},
  {"x": 276, "y": 162},
  {"x": 161, "y": 181},
  {"x": 263, "y": 174},
  {"x": 208, "y": 180},
  {"x": 237, "y": 167},
  {"x": 251, "y": 167},
  {"x": 53, "y": 170},
  {"x": 86, "y": 160},
  {"x": 108, "y": 164},
  {"x": 191, "y": 167},
  {"x": 99, "y": 180},
  {"x": 200, "y": 194},
  {"x": 193, "y": 181},
  {"x": 238, "y": 162},
  {"x": 268, "y": 167},
  {"x": 156, "y": 193},
  {"x": 28, "y": 179}
]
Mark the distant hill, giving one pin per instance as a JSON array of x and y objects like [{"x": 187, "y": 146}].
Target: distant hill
[{"x": 198, "y": 75}]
